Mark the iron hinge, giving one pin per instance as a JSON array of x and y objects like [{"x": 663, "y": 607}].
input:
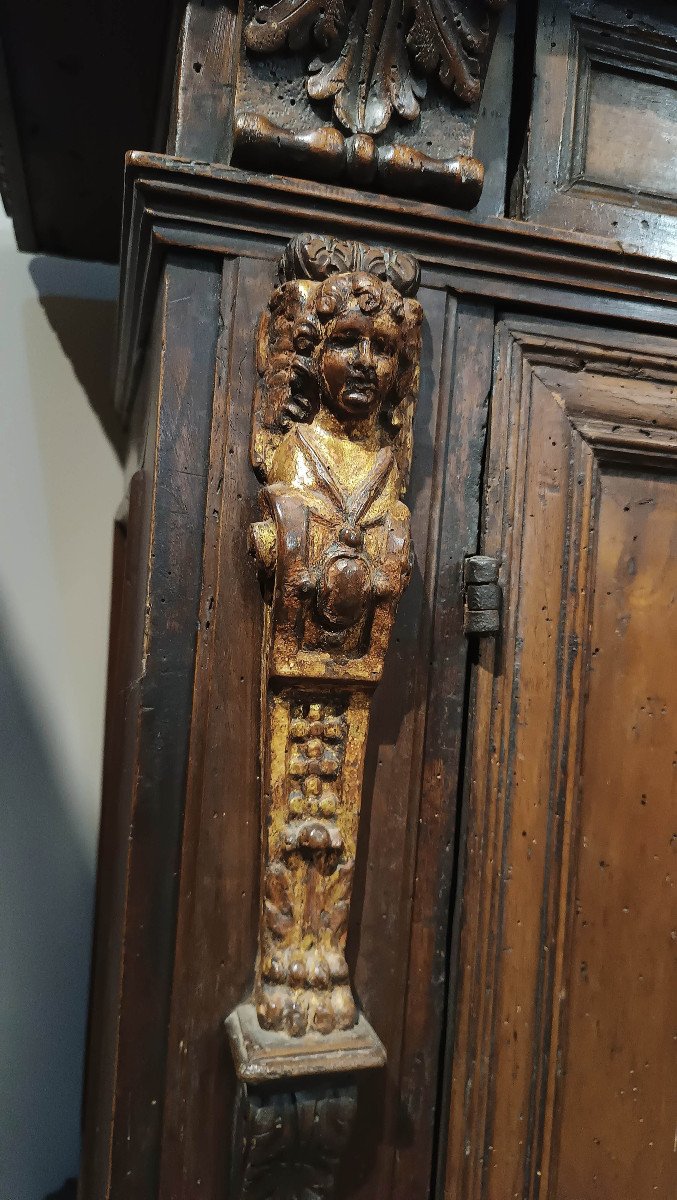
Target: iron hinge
[{"x": 481, "y": 596}]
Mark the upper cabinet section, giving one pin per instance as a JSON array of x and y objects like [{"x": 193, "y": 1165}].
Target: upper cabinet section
[
  {"x": 567, "y": 106},
  {"x": 602, "y": 148}
]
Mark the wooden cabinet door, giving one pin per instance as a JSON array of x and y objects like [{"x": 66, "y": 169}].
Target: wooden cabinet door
[{"x": 564, "y": 1060}]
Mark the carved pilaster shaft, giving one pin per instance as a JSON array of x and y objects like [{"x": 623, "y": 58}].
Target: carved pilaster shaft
[
  {"x": 315, "y": 765},
  {"x": 338, "y": 358}
]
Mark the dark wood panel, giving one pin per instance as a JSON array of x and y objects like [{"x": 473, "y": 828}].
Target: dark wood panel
[
  {"x": 580, "y": 424},
  {"x": 603, "y": 126},
  {"x": 126, "y": 652},
  {"x": 218, "y": 904},
  {"x": 201, "y": 124},
  {"x": 128, "y": 587},
  {"x": 466, "y": 374},
  {"x": 157, "y": 724}
]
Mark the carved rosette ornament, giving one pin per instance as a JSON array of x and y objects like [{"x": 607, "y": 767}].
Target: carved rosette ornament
[
  {"x": 338, "y": 360},
  {"x": 372, "y": 63}
]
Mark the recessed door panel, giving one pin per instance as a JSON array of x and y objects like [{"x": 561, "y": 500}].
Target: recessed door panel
[{"x": 564, "y": 1031}]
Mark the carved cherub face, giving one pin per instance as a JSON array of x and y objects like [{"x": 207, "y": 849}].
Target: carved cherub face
[
  {"x": 359, "y": 352},
  {"x": 349, "y": 344},
  {"x": 358, "y": 362}
]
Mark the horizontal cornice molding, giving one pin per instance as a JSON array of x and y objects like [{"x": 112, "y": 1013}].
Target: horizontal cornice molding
[{"x": 178, "y": 204}]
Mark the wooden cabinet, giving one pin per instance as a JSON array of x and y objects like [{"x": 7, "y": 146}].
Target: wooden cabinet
[
  {"x": 385, "y": 905},
  {"x": 511, "y": 951}
]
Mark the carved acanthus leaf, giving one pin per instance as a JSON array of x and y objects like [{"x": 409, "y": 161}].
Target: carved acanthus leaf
[
  {"x": 293, "y": 1142},
  {"x": 278, "y": 900},
  {"x": 443, "y": 39},
  {"x": 318, "y": 258},
  {"x": 336, "y": 908},
  {"x": 372, "y": 75},
  {"x": 376, "y": 56},
  {"x": 293, "y": 22},
  {"x": 394, "y": 86}
]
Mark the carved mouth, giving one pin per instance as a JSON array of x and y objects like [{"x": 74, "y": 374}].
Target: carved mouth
[{"x": 359, "y": 394}]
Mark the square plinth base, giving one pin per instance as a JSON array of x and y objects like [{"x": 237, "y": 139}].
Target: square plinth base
[{"x": 262, "y": 1056}]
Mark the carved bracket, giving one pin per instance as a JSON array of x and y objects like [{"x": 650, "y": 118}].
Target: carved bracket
[
  {"x": 338, "y": 361},
  {"x": 288, "y": 1145},
  {"x": 326, "y": 154},
  {"x": 372, "y": 63}
]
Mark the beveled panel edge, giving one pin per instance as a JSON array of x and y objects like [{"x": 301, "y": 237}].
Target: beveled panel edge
[{"x": 601, "y": 44}]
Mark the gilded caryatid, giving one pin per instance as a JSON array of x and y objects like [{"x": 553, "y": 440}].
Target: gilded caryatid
[{"x": 338, "y": 360}]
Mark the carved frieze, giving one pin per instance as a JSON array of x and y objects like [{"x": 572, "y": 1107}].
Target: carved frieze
[
  {"x": 372, "y": 68},
  {"x": 338, "y": 362}
]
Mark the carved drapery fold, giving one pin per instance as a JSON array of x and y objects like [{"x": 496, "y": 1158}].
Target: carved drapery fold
[{"x": 338, "y": 361}]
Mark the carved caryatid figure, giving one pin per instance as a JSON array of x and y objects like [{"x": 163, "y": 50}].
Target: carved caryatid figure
[{"x": 338, "y": 359}]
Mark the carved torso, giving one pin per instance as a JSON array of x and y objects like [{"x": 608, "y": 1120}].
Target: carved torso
[{"x": 347, "y": 544}]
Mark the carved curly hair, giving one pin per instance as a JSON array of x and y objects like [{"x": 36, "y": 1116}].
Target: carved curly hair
[
  {"x": 293, "y": 330},
  {"x": 319, "y": 278}
]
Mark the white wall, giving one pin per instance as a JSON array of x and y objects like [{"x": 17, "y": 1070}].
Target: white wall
[{"x": 60, "y": 485}]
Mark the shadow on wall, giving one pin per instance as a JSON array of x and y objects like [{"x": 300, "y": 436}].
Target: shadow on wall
[
  {"x": 60, "y": 484},
  {"x": 71, "y": 315},
  {"x": 69, "y": 1191},
  {"x": 45, "y": 922}
]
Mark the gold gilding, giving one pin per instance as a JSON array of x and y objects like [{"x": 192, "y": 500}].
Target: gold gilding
[{"x": 338, "y": 356}]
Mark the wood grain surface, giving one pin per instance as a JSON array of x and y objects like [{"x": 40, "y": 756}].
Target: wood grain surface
[{"x": 564, "y": 1004}]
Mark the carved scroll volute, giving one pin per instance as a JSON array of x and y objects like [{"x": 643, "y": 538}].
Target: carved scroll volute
[{"x": 338, "y": 360}]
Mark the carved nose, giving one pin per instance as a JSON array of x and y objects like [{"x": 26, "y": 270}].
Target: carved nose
[{"x": 365, "y": 356}]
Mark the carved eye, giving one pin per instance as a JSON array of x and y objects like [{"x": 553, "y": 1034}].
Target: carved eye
[{"x": 343, "y": 338}]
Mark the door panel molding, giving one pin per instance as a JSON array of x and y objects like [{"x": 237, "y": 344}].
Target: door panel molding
[{"x": 569, "y": 407}]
